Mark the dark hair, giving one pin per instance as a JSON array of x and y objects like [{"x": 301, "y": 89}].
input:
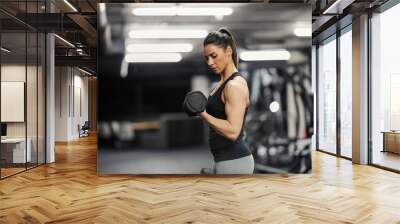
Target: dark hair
[{"x": 223, "y": 38}]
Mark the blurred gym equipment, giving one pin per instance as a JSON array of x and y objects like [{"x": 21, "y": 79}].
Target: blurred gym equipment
[{"x": 279, "y": 123}]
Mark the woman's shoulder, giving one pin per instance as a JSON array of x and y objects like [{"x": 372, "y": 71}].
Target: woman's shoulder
[
  {"x": 237, "y": 84},
  {"x": 238, "y": 80}
]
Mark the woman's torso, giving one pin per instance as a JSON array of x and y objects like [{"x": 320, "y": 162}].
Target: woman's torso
[{"x": 221, "y": 147}]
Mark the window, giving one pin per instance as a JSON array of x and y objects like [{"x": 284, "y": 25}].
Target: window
[
  {"x": 346, "y": 93},
  {"x": 327, "y": 96},
  {"x": 385, "y": 88}
]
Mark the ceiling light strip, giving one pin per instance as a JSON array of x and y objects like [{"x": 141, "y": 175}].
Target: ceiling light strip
[
  {"x": 177, "y": 47},
  {"x": 152, "y": 57},
  {"x": 167, "y": 34},
  {"x": 70, "y": 5},
  {"x": 182, "y": 11},
  {"x": 64, "y": 40},
  {"x": 84, "y": 71},
  {"x": 303, "y": 31},
  {"x": 5, "y": 50},
  {"x": 266, "y": 55}
]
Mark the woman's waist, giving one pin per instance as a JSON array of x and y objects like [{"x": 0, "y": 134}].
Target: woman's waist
[
  {"x": 217, "y": 140},
  {"x": 215, "y": 134},
  {"x": 229, "y": 150}
]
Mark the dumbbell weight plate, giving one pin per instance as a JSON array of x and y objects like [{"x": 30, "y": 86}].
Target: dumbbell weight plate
[{"x": 195, "y": 102}]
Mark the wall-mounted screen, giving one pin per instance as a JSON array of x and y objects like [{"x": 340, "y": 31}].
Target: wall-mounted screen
[{"x": 12, "y": 101}]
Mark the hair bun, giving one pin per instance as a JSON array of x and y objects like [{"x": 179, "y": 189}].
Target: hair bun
[{"x": 225, "y": 31}]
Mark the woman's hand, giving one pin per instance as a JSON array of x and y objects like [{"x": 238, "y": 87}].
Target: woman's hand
[{"x": 203, "y": 114}]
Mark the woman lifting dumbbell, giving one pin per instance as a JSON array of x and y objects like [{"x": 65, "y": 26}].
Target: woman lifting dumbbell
[{"x": 226, "y": 106}]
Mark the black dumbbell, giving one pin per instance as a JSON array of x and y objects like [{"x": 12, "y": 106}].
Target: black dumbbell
[{"x": 194, "y": 103}]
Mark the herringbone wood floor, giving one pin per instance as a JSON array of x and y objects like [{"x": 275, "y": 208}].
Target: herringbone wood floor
[{"x": 70, "y": 191}]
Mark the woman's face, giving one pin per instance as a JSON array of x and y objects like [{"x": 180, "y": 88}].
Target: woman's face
[{"x": 217, "y": 57}]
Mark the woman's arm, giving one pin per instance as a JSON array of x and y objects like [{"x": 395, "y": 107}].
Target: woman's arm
[{"x": 236, "y": 97}]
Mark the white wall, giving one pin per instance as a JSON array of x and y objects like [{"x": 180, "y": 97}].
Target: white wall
[
  {"x": 70, "y": 83},
  {"x": 13, "y": 73},
  {"x": 61, "y": 103},
  {"x": 80, "y": 89}
]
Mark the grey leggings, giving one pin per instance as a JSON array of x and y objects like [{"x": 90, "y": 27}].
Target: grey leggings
[{"x": 244, "y": 165}]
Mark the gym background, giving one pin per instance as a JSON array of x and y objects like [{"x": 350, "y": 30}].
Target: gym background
[{"x": 142, "y": 128}]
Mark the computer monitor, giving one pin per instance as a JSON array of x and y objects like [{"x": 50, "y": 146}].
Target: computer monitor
[{"x": 3, "y": 129}]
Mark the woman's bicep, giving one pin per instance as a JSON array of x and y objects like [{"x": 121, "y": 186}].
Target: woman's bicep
[{"x": 235, "y": 105}]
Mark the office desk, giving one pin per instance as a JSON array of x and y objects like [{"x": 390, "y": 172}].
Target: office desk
[
  {"x": 391, "y": 141},
  {"x": 13, "y": 150}
]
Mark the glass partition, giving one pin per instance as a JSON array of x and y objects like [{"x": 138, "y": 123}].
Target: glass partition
[
  {"x": 15, "y": 150},
  {"x": 22, "y": 88}
]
